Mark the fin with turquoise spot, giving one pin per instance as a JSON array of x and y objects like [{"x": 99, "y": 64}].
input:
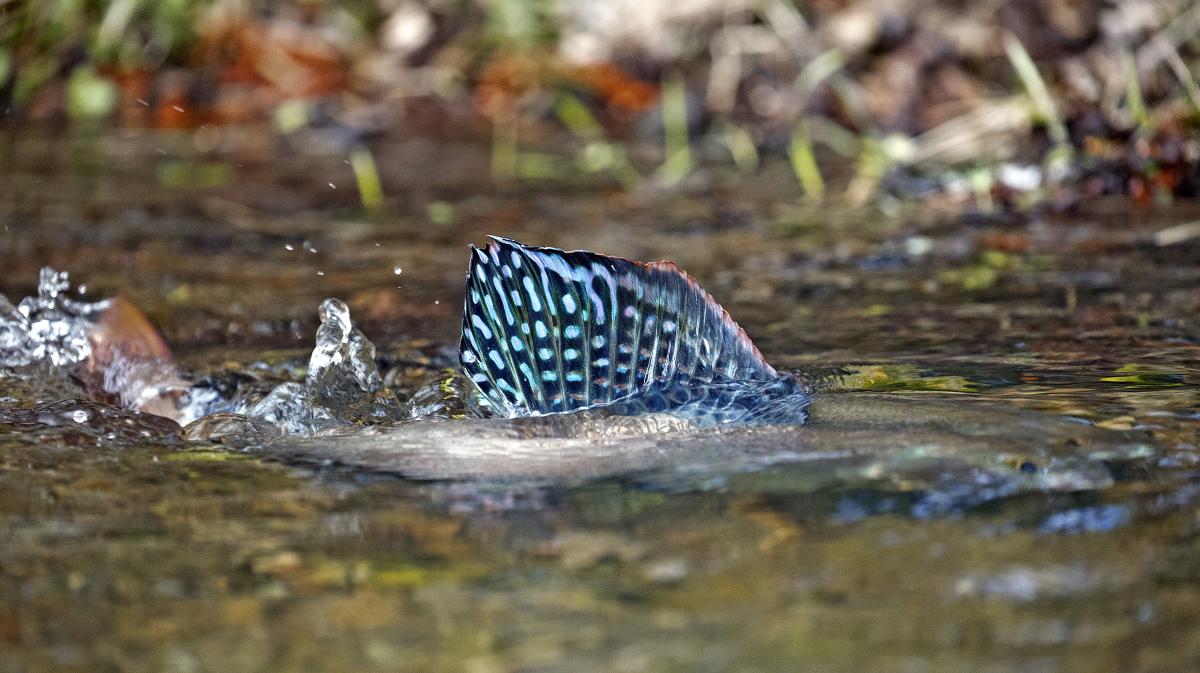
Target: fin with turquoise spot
[{"x": 548, "y": 331}]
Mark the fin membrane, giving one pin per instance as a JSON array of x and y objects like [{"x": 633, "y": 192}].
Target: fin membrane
[{"x": 548, "y": 331}]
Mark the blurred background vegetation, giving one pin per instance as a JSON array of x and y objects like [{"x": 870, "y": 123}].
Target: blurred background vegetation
[{"x": 995, "y": 104}]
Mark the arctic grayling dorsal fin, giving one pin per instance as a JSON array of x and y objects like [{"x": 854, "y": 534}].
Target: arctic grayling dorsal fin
[{"x": 546, "y": 330}]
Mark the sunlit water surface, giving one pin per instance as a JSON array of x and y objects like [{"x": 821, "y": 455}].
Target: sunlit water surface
[{"x": 1004, "y": 476}]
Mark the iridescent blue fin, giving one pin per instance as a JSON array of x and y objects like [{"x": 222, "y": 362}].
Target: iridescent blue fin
[{"x": 545, "y": 330}]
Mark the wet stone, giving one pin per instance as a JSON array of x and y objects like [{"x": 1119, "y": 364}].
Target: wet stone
[
  {"x": 233, "y": 430},
  {"x": 74, "y": 420}
]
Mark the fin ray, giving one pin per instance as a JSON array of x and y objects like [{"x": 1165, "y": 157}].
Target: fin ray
[{"x": 547, "y": 330}]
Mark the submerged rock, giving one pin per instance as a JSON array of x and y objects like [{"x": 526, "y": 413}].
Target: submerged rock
[
  {"x": 77, "y": 422},
  {"x": 235, "y": 430},
  {"x": 448, "y": 396}
]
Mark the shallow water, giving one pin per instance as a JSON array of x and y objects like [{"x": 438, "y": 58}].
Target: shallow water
[{"x": 1001, "y": 474}]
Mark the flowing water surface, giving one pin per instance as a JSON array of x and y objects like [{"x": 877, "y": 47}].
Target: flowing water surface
[{"x": 1001, "y": 472}]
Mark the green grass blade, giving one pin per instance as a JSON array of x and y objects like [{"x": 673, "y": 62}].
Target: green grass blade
[
  {"x": 818, "y": 70},
  {"x": 504, "y": 149},
  {"x": 804, "y": 163},
  {"x": 1133, "y": 90},
  {"x": 576, "y": 117},
  {"x": 366, "y": 176},
  {"x": 741, "y": 146},
  {"x": 677, "y": 150},
  {"x": 1035, "y": 87}
]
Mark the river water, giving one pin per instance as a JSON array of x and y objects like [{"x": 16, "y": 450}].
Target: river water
[{"x": 954, "y": 356}]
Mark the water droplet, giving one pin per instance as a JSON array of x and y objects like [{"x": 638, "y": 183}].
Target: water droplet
[
  {"x": 436, "y": 301},
  {"x": 332, "y": 186},
  {"x": 309, "y": 247},
  {"x": 289, "y": 247},
  {"x": 396, "y": 269},
  {"x": 320, "y": 273},
  {"x": 80, "y": 416},
  {"x": 82, "y": 289}
]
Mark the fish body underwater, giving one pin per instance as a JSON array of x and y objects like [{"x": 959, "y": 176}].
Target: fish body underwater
[{"x": 548, "y": 331}]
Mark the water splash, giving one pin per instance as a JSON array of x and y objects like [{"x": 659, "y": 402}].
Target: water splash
[
  {"x": 105, "y": 350},
  {"x": 342, "y": 385},
  {"x": 111, "y": 349},
  {"x": 48, "y": 328}
]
